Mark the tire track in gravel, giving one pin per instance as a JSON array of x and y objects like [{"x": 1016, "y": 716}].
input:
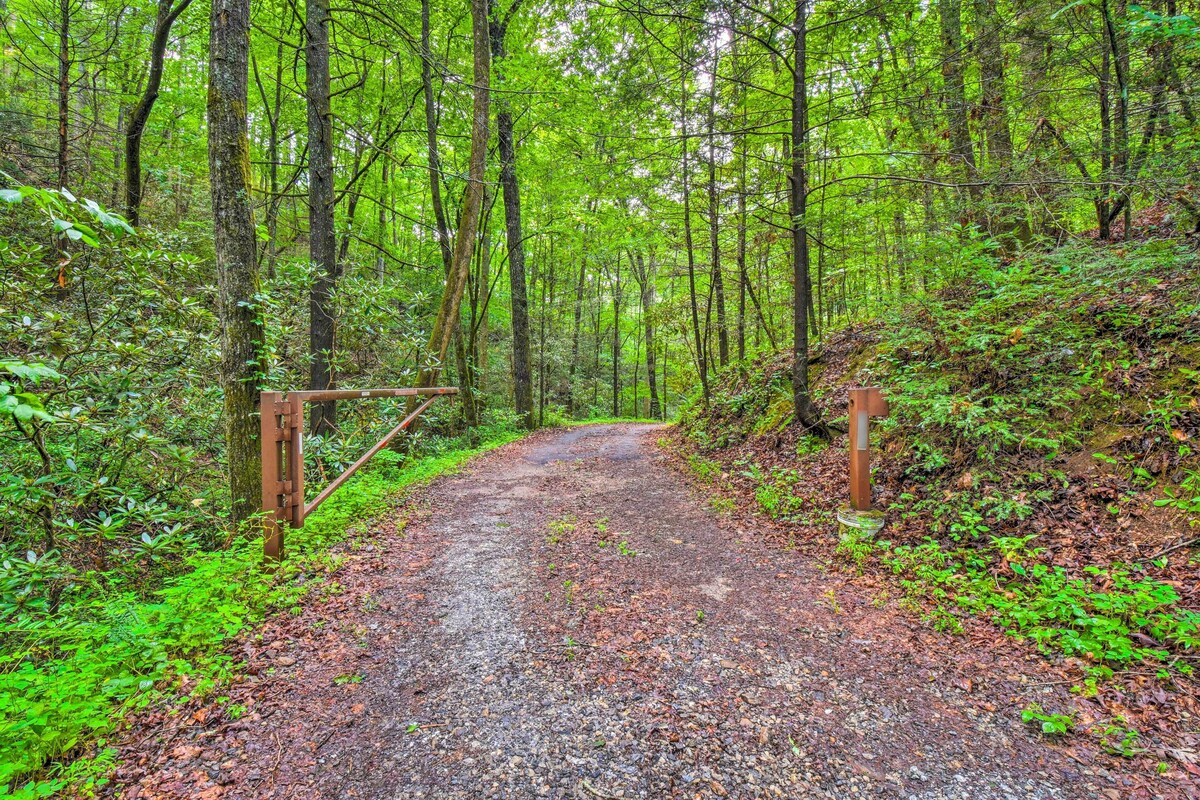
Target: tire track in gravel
[{"x": 500, "y": 661}]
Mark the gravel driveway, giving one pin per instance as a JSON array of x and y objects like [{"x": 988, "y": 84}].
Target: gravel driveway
[{"x": 570, "y": 619}]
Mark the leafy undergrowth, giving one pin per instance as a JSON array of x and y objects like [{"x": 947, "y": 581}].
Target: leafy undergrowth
[
  {"x": 1040, "y": 470},
  {"x": 67, "y": 681}
]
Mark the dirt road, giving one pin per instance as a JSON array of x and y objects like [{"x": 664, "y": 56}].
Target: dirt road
[{"x": 570, "y": 619}]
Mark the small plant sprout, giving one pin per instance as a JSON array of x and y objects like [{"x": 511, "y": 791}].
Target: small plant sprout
[
  {"x": 699, "y": 616},
  {"x": 1119, "y": 739},
  {"x": 831, "y": 600},
  {"x": 1051, "y": 724},
  {"x": 559, "y": 528}
]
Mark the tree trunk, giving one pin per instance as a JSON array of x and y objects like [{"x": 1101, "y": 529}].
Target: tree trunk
[
  {"x": 741, "y": 251},
  {"x": 430, "y": 371},
  {"x": 117, "y": 167},
  {"x": 343, "y": 250},
  {"x": 806, "y": 413},
  {"x": 1010, "y": 221},
  {"x": 616, "y": 340},
  {"x": 381, "y": 221},
  {"x": 167, "y": 14},
  {"x": 447, "y": 320},
  {"x": 714, "y": 220},
  {"x": 595, "y": 376},
  {"x": 485, "y": 283},
  {"x": 64, "y": 90},
  {"x": 992, "y": 106},
  {"x": 1119, "y": 47},
  {"x": 666, "y": 363},
  {"x": 322, "y": 239},
  {"x": 547, "y": 304},
  {"x": 575, "y": 336},
  {"x": 272, "y": 107},
  {"x": 648, "y": 298},
  {"x": 1103, "y": 194},
  {"x": 701, "y": 359},
  {"x": 519, "y": 298},
  {"x": 955, "y": 93},
  {"x": 242, "y": 360},
  {"x": 1182, "y": 92}
]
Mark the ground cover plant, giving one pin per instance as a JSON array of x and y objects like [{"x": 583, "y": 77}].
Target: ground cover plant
[
  {"x": 1037, "y": 468},
  {"x": 67, "y": 679}
]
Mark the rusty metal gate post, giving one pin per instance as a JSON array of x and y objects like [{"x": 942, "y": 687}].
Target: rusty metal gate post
[
  {"x": 859, "y": 519},
  {"x": 864, "y": 403},
  {"x": 282, "y": 434}
]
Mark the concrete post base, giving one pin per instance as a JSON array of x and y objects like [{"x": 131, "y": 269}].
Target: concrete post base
[{"x": 859, "y": 524}]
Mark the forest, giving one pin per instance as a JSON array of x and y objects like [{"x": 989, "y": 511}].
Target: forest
[{"x": 717, "y": 213}]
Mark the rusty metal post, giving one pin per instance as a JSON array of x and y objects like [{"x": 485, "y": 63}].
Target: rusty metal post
[
  {"x": 295, "y": 461},
  {"x": 865, "y": 402},
  {"x": 282, "y": 433},
  {"x": 271, "y": 434}
]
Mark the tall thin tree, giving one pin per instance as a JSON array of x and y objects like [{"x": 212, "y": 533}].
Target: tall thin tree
[
  {"x": 714, "y": 217},
  {"x": 806, "y": 413},
  {"x": 168, "y": 12},
  {"x": 445, "y": 243},
  {"x": 447, "y": 320},
  {"x": 522, "y": 371},
  {"x": 322, "y": 238}
]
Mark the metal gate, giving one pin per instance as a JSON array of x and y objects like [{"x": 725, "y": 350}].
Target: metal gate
[{"x": 283, "y": 454}]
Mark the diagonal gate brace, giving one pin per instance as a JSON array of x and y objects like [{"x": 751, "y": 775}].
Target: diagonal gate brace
[{"x": 282, "y": 433}]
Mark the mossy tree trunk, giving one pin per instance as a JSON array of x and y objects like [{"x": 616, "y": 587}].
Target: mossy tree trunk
[
  {"x": 465, "y": 383},
  {"x": 234, "y": 243}
]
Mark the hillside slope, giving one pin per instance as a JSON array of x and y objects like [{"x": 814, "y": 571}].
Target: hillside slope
[{"x": 1039, "y": 471}]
